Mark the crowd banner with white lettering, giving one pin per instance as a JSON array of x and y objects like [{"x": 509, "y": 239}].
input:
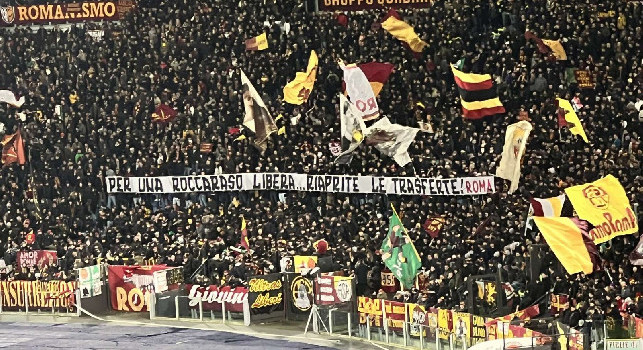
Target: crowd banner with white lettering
[
  {"x": 64, "y": 13},
  {"x": 359, "y": 5},
  {"x": 333, "y": 290},
  {"x": 460, "y": 186},
  {"x": 39, "y": 258},
  {"x": 213, "y": 296}
]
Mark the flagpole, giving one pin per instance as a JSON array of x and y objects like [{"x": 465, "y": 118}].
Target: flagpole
[{"x": 407, "y": 233}]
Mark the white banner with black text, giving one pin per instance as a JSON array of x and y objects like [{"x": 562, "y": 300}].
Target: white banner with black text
[{"x": 422, "y": 186}]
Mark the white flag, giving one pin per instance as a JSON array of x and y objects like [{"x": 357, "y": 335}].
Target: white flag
[
  {"x": 257, "y": 118},
  {"x": 360, "y": 92},
  {"x": 392, "y": 140},
  {"x": 512, "y": 152},
  {"x": 352, "y": 129},
  {"x": 10, "y": 98}
]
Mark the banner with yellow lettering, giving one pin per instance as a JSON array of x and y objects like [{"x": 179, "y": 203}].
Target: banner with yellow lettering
[
  {"x": 478, "y": 329},
  {"x": 63, "y": 13},
  {"x": 395, "y": 314},
  {"x": 604, "y": 204},
  {"x": 16, "y": 295},
  {"x": 361, "y": 5},
  {"x": 445, "y": 323},
  {"x": 370, "y": 310}
]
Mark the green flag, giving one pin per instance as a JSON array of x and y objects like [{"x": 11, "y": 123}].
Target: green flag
[{"x": 399, "y": 254}]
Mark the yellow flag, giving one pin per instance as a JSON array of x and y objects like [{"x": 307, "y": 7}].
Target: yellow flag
[
  {"x": 570, "y": 116},
  {"x": 604, "y": 204},
  {"x": 566, "y": 241},
  {"x": 404, "y": 32},
  {"x": 297, "y": 91},
  {"x": 557, "y": 49},
  {"x": 281, "y": 130},
  {"x": 258, "y": 43}
]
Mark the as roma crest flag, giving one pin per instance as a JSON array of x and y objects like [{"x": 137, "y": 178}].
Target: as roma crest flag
[
  {"x": 512, "y": 152},
  {"x": 13, "y": 149},
  {"x": 434, "y": 225},
  {"x": 403, "y": 32},
  {"x": 258, "y": 43},
  {"x": 164, "y": 114},
  {"x": 605, "y": 205},
  {"x": 256, "y": 118},
  {"x": 297, "y": 91}
]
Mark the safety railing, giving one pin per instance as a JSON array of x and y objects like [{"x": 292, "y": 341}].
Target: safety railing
[
  {"x": 49, "y": 304},
  {"x": 406, "y": 334},
  {"x": 182, "y": 307}
]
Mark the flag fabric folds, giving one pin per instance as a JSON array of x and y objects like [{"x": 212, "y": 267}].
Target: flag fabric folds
[
  {"x": 478, "y": 94},
  {"x": 434, "y": 225},
  {"x": 356, "y": 78},
  {"x": 352, "y": 130},
  {"x": 164, "y": 114},
  {"x": 13, "y": 149},
  {"x": 258, "y": 43},
  {"x": 403, "y": 32},
  {"x": 549, "y": 207},
  {"x": 360, "y": 92},
  {"x": 244, "y": 234},
  {"x": 512, "y": 152},
  {"x": 399, "y": 254},
  {"x": 552, "y": 48},
  {"x": 377, "y": 74},
  {"x": 565, "y": 239},
  {"x": 392, "y": 140},
  {"x": 636, "y": 256},
  {"x": 557, "y": 49},
  {"x": 297, "y": 91},
  {"x": 256, "y": 118},
  {"x": 605, "y": 205},
  {"x": 9, "y": 97},
  {"x": 571, "y": 119}
]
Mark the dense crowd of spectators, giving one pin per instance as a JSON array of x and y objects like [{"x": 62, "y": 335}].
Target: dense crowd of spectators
[{"x": 96, "y": 99}]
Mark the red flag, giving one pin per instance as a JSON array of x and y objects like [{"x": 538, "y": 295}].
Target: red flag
[
  {"x": 244, "y": 234},
  {"x": 164, "y": 114},
  {"x": 13, "y": 149},
  {"x": 342, "y": 19}
]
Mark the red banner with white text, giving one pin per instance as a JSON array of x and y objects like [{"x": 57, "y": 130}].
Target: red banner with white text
[{"x": 214, "y": 296}]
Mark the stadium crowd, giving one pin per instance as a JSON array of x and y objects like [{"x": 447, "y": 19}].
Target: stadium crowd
[{"x": 187, "y": 54}]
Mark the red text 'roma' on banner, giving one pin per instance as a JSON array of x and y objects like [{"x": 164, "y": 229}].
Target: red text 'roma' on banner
[
  {"x": 462, "y": 186},
  {"x": 63, "y": 13},
  {"x": 360, "y": 5}
]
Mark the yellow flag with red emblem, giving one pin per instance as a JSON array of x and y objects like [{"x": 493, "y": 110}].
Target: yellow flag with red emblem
[{"x": 604, "y": 203}]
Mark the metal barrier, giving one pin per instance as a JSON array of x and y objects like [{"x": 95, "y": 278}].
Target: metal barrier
[
  {"x": 181, "y": 307},
  {"x": 42, "y": 310}
]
